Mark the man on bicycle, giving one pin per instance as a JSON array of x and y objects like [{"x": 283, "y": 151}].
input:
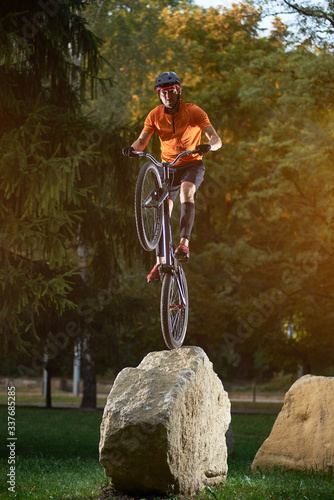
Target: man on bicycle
[{"x": 179, "y": 125}]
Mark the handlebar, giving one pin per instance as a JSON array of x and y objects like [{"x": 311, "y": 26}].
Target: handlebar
[{"x": 161, "y": 164}]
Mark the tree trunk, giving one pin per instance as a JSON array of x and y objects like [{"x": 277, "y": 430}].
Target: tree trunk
[
  {"x": 87, "y": 348},
  {"x": 88, "y": 372},
  {"x": 48, "y": 402}
]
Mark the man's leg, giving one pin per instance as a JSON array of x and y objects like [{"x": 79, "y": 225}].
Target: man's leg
[{"x": 187, "y": 217}]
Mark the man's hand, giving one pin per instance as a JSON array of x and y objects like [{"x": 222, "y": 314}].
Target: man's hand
[
  {"x": 203, "y": 148},
  {"x": 128, "y": 151}
]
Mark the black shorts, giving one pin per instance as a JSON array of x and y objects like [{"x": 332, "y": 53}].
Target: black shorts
[{"x": 193, "y": 172}]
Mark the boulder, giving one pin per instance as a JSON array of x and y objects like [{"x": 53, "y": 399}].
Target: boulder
[
  {"x": 303, "y": 434},
  {"x": 164, "y": 425}
]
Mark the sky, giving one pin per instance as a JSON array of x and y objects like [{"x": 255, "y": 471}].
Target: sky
[
  {"x": 266, "y": 24},
  {"x": 215, "y": 3}
]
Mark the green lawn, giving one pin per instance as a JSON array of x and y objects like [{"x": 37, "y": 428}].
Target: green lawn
[
  {"x": 250, "y": 432},
  {"x": 57, "y": 454},
  {"x": 57, "y": 458},
  {"x": 58, "y": 397}
]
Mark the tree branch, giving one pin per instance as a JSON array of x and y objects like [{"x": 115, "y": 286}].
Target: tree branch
[{"x": 313, "y": 12}]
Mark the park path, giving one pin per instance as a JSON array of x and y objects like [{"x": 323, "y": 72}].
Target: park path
[{"x": 238, "y": 398}]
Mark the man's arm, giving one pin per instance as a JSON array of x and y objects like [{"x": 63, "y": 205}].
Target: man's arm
[
  {"x": 142, "y": 141},
  {"x": 213, "y": 138}
]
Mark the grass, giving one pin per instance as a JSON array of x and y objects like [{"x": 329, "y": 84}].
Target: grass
[
  {"x": 57, "y": 458},
  {"x": 242, "y": 484},
  {"x": 56, "y": 452},
  {"x": 63, "y": 399},
  {"x": 34, "y": 397}
]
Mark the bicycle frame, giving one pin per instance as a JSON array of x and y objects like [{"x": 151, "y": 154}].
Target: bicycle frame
[{"x": 170, "y": 266}]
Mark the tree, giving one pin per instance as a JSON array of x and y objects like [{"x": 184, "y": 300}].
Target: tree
[
  {"x": 135, "y": 40},
  {"x": 245, "y": 230},
  {"x": 40, "y": 195},
  {"x": 282, "y": 221},
  {"x": 315, "y": 19},
  {"x": 233, "y": 75},
  {"x": 62, "y": 178},
  {"x": 260, "y": 250}
]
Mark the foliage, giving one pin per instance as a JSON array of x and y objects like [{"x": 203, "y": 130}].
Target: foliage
[
  {"x": 47, "y": 54},
  {"x": 134, "y": 38},
  {"x": 266, "y": 218},
  {"x": 261, "y": 249},
  {"x": 291, "y": 233},
  {"x": 259, "y": 277},
  {"x": 35, "y": 226},
  {"x": 281, "y": 382},
  {"x": 314, "y": 24},
  {"x": 62, "y": 177}
]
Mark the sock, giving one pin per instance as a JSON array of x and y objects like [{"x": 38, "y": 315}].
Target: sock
[{"x": 187, "y": 218}]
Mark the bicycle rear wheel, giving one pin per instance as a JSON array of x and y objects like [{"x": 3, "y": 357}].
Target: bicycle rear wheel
[
  {"x": 174, "y": 308},
  {"x": 148, "y": 215}
]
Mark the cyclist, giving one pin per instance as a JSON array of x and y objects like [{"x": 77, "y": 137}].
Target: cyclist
[{"x": 179, "y": 125}]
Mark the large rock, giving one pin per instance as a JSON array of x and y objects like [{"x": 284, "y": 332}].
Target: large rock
[
  {"x": 303, "y": 434},
  {"x": 164, "y": 425}
]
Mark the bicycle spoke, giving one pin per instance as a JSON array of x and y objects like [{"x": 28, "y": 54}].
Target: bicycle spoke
[
  {"x": 150, "y": 222},
  {"x": 148, "y": 214},
  {"x": 174, "y": 327}
]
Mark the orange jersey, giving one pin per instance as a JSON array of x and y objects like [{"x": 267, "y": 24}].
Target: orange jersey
[{"x": 181, "y": 132}]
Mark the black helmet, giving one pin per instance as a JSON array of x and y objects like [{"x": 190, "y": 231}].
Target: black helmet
[{"x": 167, "y": 79}]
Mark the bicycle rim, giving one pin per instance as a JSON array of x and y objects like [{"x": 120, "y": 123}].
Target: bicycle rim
[
  {"x": 174, "y": 309},
  {"x": 148, "y": 216}
]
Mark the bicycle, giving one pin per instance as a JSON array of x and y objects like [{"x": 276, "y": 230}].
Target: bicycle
[{"x": 152, "y": 222}]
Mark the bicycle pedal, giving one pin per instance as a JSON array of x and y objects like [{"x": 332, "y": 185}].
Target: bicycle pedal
[
  {"x": 166, "y": 269},
  {"x": 181, "y": 255},
  {"x": 182, "y": 259}
]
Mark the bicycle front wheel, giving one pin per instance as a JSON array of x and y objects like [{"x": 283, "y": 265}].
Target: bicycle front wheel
[
  {"x": 148, "y": 215},
  {"x": 174, "y": 308}
]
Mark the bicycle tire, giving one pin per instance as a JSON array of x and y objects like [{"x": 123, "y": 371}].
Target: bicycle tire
[
  {"x": 173, "y": 312},
  {"x": 148, "y": 218}
]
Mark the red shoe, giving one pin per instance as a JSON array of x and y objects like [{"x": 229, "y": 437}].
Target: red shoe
[
  {"x": 154, "y": 275},
  {"x": 182, "y": 253}
]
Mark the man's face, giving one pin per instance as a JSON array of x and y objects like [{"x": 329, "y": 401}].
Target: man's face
[{"x": 170, "y": 96}]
